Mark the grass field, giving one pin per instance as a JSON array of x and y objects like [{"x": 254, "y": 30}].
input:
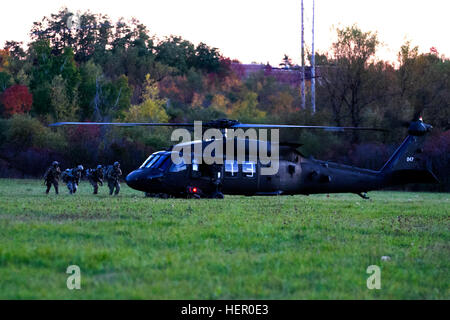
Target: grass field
[{"x": 238, "y": 248}]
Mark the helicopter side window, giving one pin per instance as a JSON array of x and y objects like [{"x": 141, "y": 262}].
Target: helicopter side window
[
  {"x": 248, "y": 169},
  {"x": 165, "y": 164},
  {"x": 159, "y": 161},
  {"x": 195, "y": 169},
  {"x": 178, "y": 167},
  {"x": 195, "y": 166},
  {"x": 231, "y": 168}
]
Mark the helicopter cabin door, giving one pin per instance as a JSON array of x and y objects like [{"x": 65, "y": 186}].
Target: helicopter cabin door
[
  {"x": 176, "y": 176},
  {"x": 240, "y": 178},
  {"x": 202, "y": 176}
]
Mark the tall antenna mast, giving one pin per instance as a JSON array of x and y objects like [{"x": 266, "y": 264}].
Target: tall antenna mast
[
  {"x": 303, "y": 65},
  {"x": 313, "y": 68}
]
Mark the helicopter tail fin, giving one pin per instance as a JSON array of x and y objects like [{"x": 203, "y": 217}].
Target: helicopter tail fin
[{"x": 409, "y": 163}]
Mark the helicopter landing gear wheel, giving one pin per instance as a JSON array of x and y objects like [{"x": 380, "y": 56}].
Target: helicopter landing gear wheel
[{"x": 217, "y": 195}]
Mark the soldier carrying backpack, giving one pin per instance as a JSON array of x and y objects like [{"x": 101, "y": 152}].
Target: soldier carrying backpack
[
  {"x": 72, "y": 178},
  {"x": 95, "y": 177},
  {"x": 113, "y": 174},
  {"x": 51, "y": 176}
]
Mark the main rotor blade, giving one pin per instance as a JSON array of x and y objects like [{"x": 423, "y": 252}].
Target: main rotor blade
[
  {"x": 121, "y": 124},
  {"x": 281, "y": 126},
  {"x": 214, "y": 124}
]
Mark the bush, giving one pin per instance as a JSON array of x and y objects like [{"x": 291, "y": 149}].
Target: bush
[
  {"x": 370, "y": 155},
  {"x": 438, "y": 147},
  {"x": 24, "y": 132}
]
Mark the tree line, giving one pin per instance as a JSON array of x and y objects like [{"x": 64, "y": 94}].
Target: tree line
[{"x": 86, "y": 67}]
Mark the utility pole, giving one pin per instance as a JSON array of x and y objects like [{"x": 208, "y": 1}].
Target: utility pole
[
  {"x": 303, "y": 65},
  {"x": 313, "y": 68}
]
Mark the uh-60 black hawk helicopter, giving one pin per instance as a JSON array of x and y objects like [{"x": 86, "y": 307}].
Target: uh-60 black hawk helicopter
[{"x": 160, "y": 176}]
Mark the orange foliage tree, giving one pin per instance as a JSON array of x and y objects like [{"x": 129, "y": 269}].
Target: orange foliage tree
[
  {"x": 16, "y": 99},
  {"x": 4, "y": 59}
]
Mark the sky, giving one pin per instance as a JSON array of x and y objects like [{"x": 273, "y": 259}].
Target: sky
[{"x": 257, "y": 30}]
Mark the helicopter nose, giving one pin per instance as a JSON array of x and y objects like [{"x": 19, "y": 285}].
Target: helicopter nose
[
  {"x": 143, "y": 180},
  {"x": 133, "y": 180}
]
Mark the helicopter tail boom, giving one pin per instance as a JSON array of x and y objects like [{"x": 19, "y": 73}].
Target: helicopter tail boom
[{"x": 409, "y": 163}]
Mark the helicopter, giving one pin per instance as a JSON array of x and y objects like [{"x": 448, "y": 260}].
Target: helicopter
[{"x": 161, "y": 176}]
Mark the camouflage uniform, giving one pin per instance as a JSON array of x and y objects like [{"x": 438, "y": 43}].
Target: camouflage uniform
[
  {"x": 95, "y": 177},
  {"x": 72, "y": 178},
  {"x": 113, "y": 175},
  {"x": 51, "y": 176}
]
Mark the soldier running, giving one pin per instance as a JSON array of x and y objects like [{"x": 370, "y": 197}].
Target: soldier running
[
  {"x": 72, "y": 178},
  {"x": 51, "y": 176},
  {"x": 95, "y": 177},
  {"x": 113, "y": 175}
]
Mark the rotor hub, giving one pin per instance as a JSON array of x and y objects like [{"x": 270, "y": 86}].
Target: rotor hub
[{"x": 222, "y": 123}]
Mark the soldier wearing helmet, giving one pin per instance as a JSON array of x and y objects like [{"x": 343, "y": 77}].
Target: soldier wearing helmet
[
  {"x": 72, "y": 178},
  {"x": 113, "y": 175},
  {"x": 95, "y": 177},
  {"x": 51, "y": 176}
]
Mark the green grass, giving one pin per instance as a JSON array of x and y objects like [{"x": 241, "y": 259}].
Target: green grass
[{"x": 287, "y": 247}]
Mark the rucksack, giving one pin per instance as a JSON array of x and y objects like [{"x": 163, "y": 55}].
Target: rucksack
[
  {"x": 66, "y": 175},
  {"x": 109, "y": 171}
]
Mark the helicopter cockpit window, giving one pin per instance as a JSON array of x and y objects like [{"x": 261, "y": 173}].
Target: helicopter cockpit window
[
  {"x": 248, "y": 169},
  {"x": 165, "y": 163},
  {"x": 151, "y": 163},
  {"x": 147, "y": 161},
  {"x": 160, "y": 161},
  {"x": 231, "y": 168},
  {"x": 178, "y": 167},
  {"x": 150, "y": 160}
]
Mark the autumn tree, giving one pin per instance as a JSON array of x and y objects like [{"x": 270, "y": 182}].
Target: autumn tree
[
  {"x": 16, "y": 99},
  {"x": 247, "y": 108},
  {"x": 152, "y": 107},
  {"x": 220, "y": 103},
  {"x": 4, "y": 60},
  {"x": 350, "y": 79},
  {"x": 424, "y": 84},
  {"x": 5, "y": 81},
  {"x": 89, "y": 90},
  {"x": 45, "y": 67},
  {"x": 56, "y": 30},
  {"x": 206, "y": 58},
  {"x": 176, "y": 52},
  {"x": 64, "y": 106}
]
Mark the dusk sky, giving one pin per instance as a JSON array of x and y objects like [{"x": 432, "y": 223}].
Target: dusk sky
[{"x": 257, "y": 30}]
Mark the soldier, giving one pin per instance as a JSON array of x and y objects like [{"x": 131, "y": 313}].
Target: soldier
[
  {"x": 66, "y": 177},
  {"x": 51, "y": 176},
  {"x": 113, "y": 174},
  {"x": 95, "y": 177},
  {"x": 72, "y": 178}
]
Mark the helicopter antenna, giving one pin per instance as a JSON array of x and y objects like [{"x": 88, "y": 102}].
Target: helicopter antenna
[
  {"x": 303, "y": 63},
  {"x": 313, "y": 67}
]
